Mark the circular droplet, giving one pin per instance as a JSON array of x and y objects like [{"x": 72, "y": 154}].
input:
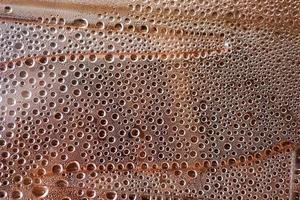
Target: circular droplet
[
  {"x": 81, "y": 23},
  {"x": 57, "y": 169},
  {"x": 29, "y": 62},
  {"x": 40, "y": 191},
  {"x": 58, "y": 116},
  {"x": 3, "y": 194},
  {"x": 19, "y": 45},
  {"x": 17, "y": 194},
  {"x": 73, "y": 166},
  {"x": 62, "y": 183},
  {"x": 111, "y": 195},
  {"x": 102, "y": 133},
  {"x": 192, "y": 173},
  {"x": 135, "y": 132},
  {"x": 11, "y": 101},
  {"x": 109, "y": 58},
  {"x": 8, "y": 9},
  {"x": 26, "y": 94}
]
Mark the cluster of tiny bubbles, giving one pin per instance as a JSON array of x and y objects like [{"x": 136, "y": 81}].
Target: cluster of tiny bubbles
[{"x": 175, "y": 100}]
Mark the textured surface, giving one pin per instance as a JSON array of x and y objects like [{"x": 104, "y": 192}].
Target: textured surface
[{"x": 185, "y": 100}]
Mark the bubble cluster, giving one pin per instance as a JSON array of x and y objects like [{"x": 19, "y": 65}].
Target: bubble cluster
[{"x": 177, "y": 100}]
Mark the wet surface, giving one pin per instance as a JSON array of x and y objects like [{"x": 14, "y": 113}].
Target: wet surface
[{"x": 184, "y": 100}]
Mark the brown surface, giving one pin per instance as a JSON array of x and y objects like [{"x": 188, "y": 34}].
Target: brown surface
[{"x": 185, "y": 100}]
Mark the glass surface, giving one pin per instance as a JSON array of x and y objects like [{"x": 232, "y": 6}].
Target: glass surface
[{"x": 150, "y": 100}]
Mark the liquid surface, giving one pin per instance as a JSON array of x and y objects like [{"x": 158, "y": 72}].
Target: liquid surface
[{"x": 186, "y": 100}]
